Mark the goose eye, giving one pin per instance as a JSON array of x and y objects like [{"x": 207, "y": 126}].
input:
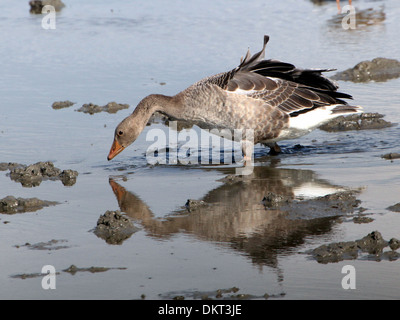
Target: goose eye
[{"x": 120, "y": 133}]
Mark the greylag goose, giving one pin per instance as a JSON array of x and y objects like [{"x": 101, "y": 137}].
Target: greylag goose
[{"x": 274, "y": 99}]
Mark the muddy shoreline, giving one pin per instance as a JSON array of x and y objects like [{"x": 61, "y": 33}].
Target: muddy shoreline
[
  {"x": 378, "y": 69},
  {"x": 363, "y": 121},
  {"x": 32, "y": 175},
  {"x": 91, "y": 108},
  {"x": 114, "y": 228},
  {"x": 371, "y": 247},
  {"x": 11, "y": 205}
]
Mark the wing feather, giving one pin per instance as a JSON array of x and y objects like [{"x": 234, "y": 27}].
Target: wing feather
[{"x": 279, "y": 84}]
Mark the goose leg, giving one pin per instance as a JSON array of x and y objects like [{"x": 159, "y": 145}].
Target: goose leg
[
  {"x": 247, "y": 150},
  {"x": 274, "y": 148}
]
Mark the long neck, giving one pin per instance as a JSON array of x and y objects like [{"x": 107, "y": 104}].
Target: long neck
[
  {"x": 161, "y": 103},
  {"x": 148, "y": 106}
]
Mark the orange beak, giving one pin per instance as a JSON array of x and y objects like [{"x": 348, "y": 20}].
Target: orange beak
[
  {"x": 118, "y": 190},
  {"x": 116, "y": 148}
]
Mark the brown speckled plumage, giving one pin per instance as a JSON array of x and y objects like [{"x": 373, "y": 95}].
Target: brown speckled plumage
[{"x": 262, "y": 95}]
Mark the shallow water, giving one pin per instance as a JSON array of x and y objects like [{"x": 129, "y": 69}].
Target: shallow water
[{"x": 104, "y": 51}]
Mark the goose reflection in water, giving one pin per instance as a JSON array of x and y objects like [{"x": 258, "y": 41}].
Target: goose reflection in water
[{"x": 235, "y": 214}]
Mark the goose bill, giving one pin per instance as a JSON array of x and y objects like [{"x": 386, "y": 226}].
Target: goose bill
[{"x": 116, "y": 148}]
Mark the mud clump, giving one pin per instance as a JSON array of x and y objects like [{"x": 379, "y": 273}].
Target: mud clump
[
  {"x": 111, "y": 107},
  {"x": 37, "y": 5},
  {"x": 331, "y": 205},
  {"x": 363, "y": 121},
  {"x": 32, "y": 175},
  {"x": 395, "y": 207},
  {"x": 72, "y": 269},
  {"x": 272, "y": 200},
  {"x": 394, "y": 244},
  {"x": 9, "y": 165},
  {"x": 219, "y": 294},
  {"x": 378, "y": 69},
  {"x": 11, "y": 205},
  {"x": 372, "y": 244},
  {"x": 362, "y": 219},
  {"x": 336, "y": 252},
  {"x": 391, "y": 156},
  {"x": 192, "y": 205},
  {"x": 68, "y": 177},
  {"x": 62, "y": 104},
  {"x": 49, "y": 245},
  {"x": 114, "y": 227}
]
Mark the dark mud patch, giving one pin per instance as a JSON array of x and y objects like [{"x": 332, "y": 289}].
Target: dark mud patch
[
  {"x": 273, "y": 200},
  {"x": 72, "y": 269},
  {"x": 33, "y": 174},
  {"x": 49, "y": 245},
  {"x": 391, "y": 156},
  {"x": 378, "y": 69},
  {"x": 395, "y": 207},
  {"x": 362, "y": 219},
  {"x": 62, "y": 104},
  {"x": 24, "y": 276},
  {"x": 372, "y": 245},
  {"x": 11, "y": 205},
  {"x": 219, "y": 294},
  {"x": 9, "y": 165},
  {"x": 36, "y": 6},
  {"x": 394, "y": 243},
  {"x": 111, "y": 107},
  {"x": 114, "y": 228},
  {"x": 363, "y": 121},
  {"x": 192, "y": 205},
  {"x": 336, "y": 204},
  {"x": 331, "y": 205}
]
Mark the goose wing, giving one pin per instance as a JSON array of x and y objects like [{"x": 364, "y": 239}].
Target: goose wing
[{"x": 280, "y": 84}]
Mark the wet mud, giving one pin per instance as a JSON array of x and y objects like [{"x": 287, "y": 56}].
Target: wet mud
[
  {"x": 272, "y": 200},
  {"x": 48, "y": 245},
  {"x": 336, "y": 204},
  {"x": 371, "y": 246},
  {"x": 36, "y": 6},
  {"x": 378, "y": 69},
  {"x": 362, "y": 219},
  {"x": 32, "y": 175},
  {"x": 111, "y": 107},
  {"x": 192, "y": 204},
  {"x": 24, "y": 276},
  {"x": 114, "y": 228},
  {"x": 62, "y": 104},
  {"x": 394, "y": 208},
  {"x": 232, "y": 293},
  {"x": 72, "y": 269},
  {"x": 363, "y": 121},
  {"x": 391, "y": 156},
  {"x": 11, "y": 205}
]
